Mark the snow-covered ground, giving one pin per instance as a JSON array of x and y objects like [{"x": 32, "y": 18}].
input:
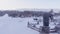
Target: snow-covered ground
[{"x": 9, "y": 25}]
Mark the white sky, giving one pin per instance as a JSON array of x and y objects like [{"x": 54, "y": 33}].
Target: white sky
[{"x": 19, "y": 4}]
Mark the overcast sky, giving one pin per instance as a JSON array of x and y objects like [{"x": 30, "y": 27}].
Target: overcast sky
[{"x": 19, "y": 4}]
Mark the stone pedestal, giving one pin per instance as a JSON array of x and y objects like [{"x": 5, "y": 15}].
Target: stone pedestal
[{"x": 45, "y": 30}]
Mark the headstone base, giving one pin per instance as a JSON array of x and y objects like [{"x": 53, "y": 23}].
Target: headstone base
[{"x": 45, "y": 30}]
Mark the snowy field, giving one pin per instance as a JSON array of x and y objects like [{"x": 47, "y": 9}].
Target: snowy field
[{"x": 9, "y": 25}]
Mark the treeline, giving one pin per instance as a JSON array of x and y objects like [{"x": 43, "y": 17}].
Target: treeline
[{"x": 24, "y": 13}]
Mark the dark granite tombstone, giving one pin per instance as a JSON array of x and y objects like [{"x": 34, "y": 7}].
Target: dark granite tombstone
[{"x": 46, "y": 17}]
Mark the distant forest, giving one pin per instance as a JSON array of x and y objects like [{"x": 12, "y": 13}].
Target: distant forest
[{"x": 24, "y": 13}]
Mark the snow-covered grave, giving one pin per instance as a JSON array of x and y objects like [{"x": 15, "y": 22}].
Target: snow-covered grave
[{"x": 52, "y": 25}]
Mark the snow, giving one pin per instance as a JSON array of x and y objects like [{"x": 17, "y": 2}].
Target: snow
[{"x": 9, "y": 25}]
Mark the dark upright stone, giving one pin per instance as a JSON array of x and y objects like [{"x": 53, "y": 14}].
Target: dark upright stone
[{"x": 46, "y": 17}]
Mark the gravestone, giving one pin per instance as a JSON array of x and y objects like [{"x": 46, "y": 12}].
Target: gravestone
[{"x": 45, "y": 27}]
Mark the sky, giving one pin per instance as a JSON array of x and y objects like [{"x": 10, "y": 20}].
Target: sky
[{"x": 20, "y": 4}]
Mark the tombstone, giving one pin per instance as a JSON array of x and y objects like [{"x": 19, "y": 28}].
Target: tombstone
[
  {"x": 45, "y": 27},
  {"x": 46, "y": 17}
]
